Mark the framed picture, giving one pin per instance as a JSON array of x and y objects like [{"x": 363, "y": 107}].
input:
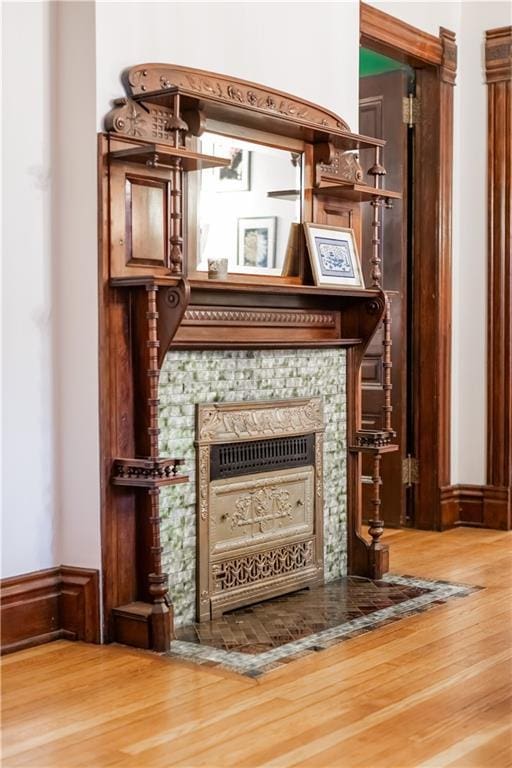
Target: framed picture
[
  {"x": 234, "y": 177},
  {"x": 334, "y": 258},
  {"x": 257, "y": 242}
]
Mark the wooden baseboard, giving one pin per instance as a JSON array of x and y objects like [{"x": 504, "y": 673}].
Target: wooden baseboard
[
  {"x": 46, "y": 605},
  {"x": 480, "y": 506}
]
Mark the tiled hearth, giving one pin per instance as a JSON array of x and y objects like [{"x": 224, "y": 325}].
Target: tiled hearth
[{"x": 263, "y": 637}]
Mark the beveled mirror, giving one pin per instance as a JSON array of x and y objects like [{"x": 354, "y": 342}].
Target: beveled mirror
[{"x": 248, "y": 212}]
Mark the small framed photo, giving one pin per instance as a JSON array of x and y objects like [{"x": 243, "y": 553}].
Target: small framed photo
[
  {"x": 334, "y": 258},
  {"x": 257, "y": 242},
  {"x": 234, "y": 177}
]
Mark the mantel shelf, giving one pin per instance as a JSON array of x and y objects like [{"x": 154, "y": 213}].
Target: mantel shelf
[
  {"x": 239, "y": 284},
  {"x": 359, "y": 193},
  {"x": 160, "y": 156}
]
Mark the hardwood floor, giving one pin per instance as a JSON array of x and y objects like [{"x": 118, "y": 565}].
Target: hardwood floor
[{"x": 433, "y": 690}]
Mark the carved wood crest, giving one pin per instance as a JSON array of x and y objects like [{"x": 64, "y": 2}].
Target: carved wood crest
[
  {"x": 150, "y": 78},
  {"x": 165, "y": 100}
]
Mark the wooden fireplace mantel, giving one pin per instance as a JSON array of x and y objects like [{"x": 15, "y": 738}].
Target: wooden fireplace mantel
[{"x": 153, "y": 304}]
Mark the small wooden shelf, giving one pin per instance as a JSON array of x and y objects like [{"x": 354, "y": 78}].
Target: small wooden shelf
[
  {"x": 216, "y": 109},
  {"x": 285, "y": 194},
  {"x": 147, "y": 473},
  {"x": 359, "y": 193},
  {"x": 159, "y": 156}
]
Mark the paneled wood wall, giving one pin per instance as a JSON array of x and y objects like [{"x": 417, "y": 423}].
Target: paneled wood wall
[{"x": 46, "y": 605}]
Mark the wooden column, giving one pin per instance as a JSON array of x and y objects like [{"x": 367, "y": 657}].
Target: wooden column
[{"x": 498, "y": 70}]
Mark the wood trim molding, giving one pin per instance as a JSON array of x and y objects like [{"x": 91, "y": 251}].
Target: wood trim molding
[
  {"x": 479, "y": 506},
  {"x": 448, "y": 72},
  {"x": 498, "y": 72},
  {"x": 38, "y": 607},
  {"x": 498, "y": 55},
  {"x": 388, "y": 35}
]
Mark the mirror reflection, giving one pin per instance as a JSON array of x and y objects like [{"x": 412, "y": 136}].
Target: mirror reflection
[{"x": 249, "y": 211}]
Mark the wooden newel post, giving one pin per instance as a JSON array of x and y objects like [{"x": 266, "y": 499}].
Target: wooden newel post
[
  {"x": 379, "y": 554},
  {"x": 158, "y": 582}
]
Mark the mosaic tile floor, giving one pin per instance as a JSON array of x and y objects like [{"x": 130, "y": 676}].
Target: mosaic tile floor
[{"x": 263, "y": 637}]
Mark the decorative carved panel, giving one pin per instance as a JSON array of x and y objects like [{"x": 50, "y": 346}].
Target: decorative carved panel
[
  {"x": 227, "y": 422},
  {"x": 299, "y": 318},
  {"x": 140, "y": 220},
  {"x": 148, "y": 122},
  {"x": 256, "y": 508}
]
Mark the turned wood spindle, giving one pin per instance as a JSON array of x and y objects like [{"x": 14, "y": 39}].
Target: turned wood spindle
[
  {"x": 377, "y": 171},
  {"x": 376, "y": 273},
  {"x": 387, "y": 366},
  {"x": 153, "y": 372},
  {"x": 176, "y": 215},
  {"x": 376, "y": 525},
  {"x": 157, "y": 579}
]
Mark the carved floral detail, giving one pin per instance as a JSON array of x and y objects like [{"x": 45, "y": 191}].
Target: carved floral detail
[
  {"x": 150, "y": 78},
  {"x": 319, "y": 469},
  {"x": 204, "y": 473},
  {"x": 224, "y": 423},
  {"x": 262, "y": 507},
  {"x": 345, "y": 166},
  {"x": 127, "y": 117}
]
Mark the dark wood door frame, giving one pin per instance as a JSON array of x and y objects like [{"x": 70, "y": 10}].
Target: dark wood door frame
[
  {"x": 435, "y": 59},
  {"x": 498, "y": 71}
]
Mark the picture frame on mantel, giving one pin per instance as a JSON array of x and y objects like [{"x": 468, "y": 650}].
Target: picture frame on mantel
[
  {"x": 257, "y": 242},
  {"x": 334, "y": 256}
]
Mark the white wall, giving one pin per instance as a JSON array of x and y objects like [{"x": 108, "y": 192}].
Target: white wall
[
  {"x": 50, "y": 395},
  {"x": 310, "y": 48},
  {"x": 28, "y": 435},
  {"x": 76, "y": 252}
]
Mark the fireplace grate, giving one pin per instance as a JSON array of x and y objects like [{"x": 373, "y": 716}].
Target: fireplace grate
[{"x": 251, "y": 456}]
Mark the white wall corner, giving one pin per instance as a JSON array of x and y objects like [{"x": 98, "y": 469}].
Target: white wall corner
[{"x": 76, "y": 259}]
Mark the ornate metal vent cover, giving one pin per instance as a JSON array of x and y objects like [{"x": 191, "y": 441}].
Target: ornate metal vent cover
[{"x": 260, "y": 505}]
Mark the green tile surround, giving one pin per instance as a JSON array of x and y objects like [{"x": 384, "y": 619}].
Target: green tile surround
[{"x": 191, "y": 377}]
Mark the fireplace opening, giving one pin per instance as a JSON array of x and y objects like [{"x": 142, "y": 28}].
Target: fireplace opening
[{"x": 260, "y": 501}]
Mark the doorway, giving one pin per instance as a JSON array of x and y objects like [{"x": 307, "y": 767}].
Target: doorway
[
  {"x": 385, "y": 85},
  {"x": 420, "y": 279}
]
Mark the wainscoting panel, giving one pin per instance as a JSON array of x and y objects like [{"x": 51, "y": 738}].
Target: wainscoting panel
[
  {"x": 47, "y": 605},
  {"x": 481, "y": 506}
]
